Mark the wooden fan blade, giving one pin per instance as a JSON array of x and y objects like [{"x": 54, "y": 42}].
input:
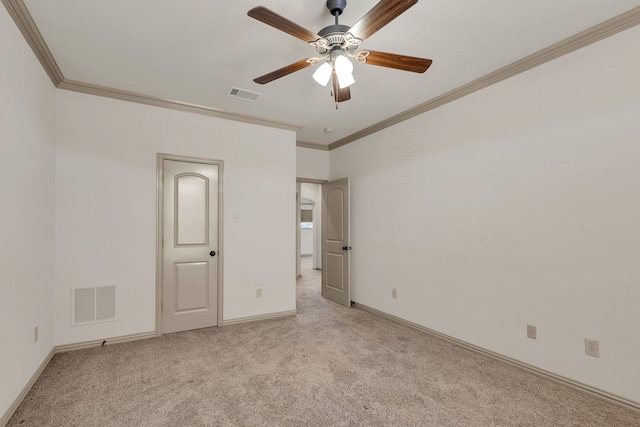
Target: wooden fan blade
[
  {"x": 269, "y": 17},
  {"x": 339, "y": 95},
  {"x": 296, "y": 66},
  {"x": 399, "y": 62},
  {"x": 344, "y": 94},
  {"x": 379, "y": 16}
]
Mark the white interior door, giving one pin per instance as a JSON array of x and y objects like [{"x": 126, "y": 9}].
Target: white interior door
[
  {"x": 335, "y": 241},
  {"x": 190, "y": 246}
]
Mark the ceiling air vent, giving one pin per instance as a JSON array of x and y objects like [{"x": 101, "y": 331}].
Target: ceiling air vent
[{"x": 247, "y": 95}]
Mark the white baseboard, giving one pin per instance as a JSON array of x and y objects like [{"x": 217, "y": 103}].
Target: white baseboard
[
  {"x": 23, "y": 393},
  {"x": 61, "y": 349},
  {"x": 106, "y": 341},
  {"x": 260, "y": 317},
  {"x": 630, "y": 404}
]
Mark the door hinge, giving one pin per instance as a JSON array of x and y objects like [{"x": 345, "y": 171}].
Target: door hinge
[
  {"x": 163, "y": 242},
  {"x": 162, "y": 306}
]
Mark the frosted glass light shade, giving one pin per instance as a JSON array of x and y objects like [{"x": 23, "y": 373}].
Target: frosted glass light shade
[
  {"x": 344, "y": 67},
  {"x": 345, "y": 80},
  {"x": 323, "y": 74}
]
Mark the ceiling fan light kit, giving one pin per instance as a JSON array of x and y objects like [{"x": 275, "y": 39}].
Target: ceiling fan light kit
[{"x": 335, "y": 43}]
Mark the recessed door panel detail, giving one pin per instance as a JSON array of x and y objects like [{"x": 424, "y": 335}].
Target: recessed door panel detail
[
  {"x": 335, "y": 221},
  {"x": 335, "y": 271},
  {"x": 192, "y": 210},
  {"x": 192, "y": 286}
]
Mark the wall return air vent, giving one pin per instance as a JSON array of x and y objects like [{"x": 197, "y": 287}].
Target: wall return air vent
[
  {"x": 247, "y": 95},
  {"x": 93, "y": 305}
]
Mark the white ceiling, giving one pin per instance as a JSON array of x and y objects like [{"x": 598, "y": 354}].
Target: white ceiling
[{"x": 195, "y": 50}]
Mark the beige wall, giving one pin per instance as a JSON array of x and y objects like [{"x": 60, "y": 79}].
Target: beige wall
[
  {"x": 27, "y": 131},
  {"x": 516, "y": 205},
  {"x": 106, "y": 208},
  {"x": 312, "y": 163}
]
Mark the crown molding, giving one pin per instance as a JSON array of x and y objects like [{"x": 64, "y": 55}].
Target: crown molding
[
  {"x": 138, "y": 98},
  {"x": 601, "y": 31},
  {"x": 23, "y": 20},
  {"x": 312, "y": 145}
]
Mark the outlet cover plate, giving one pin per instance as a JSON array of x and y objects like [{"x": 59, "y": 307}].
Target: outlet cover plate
[
  {"x": 591, "y": 347},
  {"x": 532, "y": 332}
]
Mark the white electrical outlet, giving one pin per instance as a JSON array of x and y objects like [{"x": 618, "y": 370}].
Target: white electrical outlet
[
  {"x": 394, "y": 293},
  {"x": 532, "y": 332},
  {"x": 591, "y": 347},
  {"x": 35, "y": 334},
  {"x": 259, "y": 293}
]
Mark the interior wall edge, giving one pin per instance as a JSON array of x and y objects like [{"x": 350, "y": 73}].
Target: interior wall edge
[
  {"x": 23, "y": 20},
  {"x": 25, "y": 390},
  {"x": 619, "y": 400},
  {"x": 62, "y": 349}
]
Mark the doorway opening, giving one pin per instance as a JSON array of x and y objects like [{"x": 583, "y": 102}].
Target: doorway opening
[
  {"x": 310, "y": 224},
  {"x": 309, "y": 235},
  {"x": 327, "y": 239}
]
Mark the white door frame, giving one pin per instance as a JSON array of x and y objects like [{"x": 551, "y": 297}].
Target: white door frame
[{"x": 160, "y": 158}]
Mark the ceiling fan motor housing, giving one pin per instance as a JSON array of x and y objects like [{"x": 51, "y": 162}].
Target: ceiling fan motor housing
[{"x": 336, "y": 6}]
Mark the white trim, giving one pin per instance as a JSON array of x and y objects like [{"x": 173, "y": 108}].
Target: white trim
[
  {"x": 619, "y": 400},
  {"x": 61, "y": 349},
  {"x": 123, "y": 95},
  {"x": 312, "y": 145},
  {"x": 29, "y": 30},
  {"x": 31, "y": 33},
  {"x": 107, "y": 341},
  {"x": 596, "y": 33},
  {"x": 260, "y": 317},
  {"x": 311, "y": 180},
  {"x": 23, "y": 393}
]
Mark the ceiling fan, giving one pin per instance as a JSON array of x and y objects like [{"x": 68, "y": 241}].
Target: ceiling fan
[{"x": 336, "y": 43}]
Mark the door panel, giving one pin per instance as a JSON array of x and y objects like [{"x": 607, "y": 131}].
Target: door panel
[
  {"x": 192, "y": 209},
  {"x": 335, "y": 238},
  {"x": 335, "y": 271},
  {"x": 192, "y": 286},
  {"x": 335, "y": 223},
  {"x": 190, "y": 234}
]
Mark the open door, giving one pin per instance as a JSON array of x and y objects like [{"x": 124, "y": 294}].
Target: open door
[{"x": 335, "y": 241}]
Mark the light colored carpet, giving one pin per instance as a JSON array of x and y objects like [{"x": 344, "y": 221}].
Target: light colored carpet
[{"x": 328, "y": 366}]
